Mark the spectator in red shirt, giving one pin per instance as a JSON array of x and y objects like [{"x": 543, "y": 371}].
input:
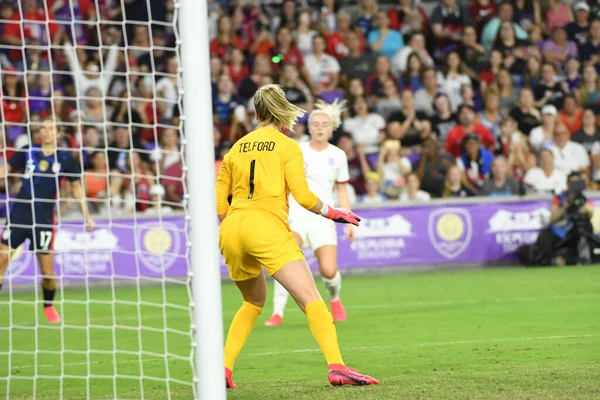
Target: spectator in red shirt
[
  {"x": 571, "y": 114},
  {"x": 140, "y": 180},
  {"x": 285, "y": 49},
  {"x": 247, "y": 17},
  {"x": 226, "y": 40},
  {"x": 34, "y": 23},
  {"x": 172, "y": 180},
  {"x": 11, "y": 23},
  {"x": 408, "y": 17},
  {"x": 236, "y": 69},
  {"x": 14, "y": 106},
  {"x": 147, "y": 109},
  {"x": 263, "y": 44},
  {"x": 467, "y": 124},
  {"x": 95, "y": 181},
  {"x": 286, "y": 52},
  {"x": 336, "y": 42},
  {"x": 358, "y": 165},
  {"x": 481, "y": 12}
]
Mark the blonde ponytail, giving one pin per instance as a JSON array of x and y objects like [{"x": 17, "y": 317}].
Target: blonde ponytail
[
  {"x": 333, "y": 111},
  {"x": 273, "y": 108}
]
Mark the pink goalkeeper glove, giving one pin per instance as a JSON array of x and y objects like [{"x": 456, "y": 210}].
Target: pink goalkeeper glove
[{"x": 340, "y": 215}]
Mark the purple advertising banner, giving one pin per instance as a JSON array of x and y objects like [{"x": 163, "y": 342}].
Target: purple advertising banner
[
  {"x": 471, "y": 233},
  {"x": 406, "y": 236},
  {"x": 124, "y": 249}
]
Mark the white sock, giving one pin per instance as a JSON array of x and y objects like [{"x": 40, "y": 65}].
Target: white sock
[
  {"x": 333, "y": 286},
  {"x": 280, "y": 298}
]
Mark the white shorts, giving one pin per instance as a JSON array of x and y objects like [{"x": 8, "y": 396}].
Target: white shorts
[{"x": 314, "y": 230}]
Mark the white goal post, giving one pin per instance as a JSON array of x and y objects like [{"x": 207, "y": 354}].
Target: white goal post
[
  {"x": 206, "y": 280},
  {"x": 127, "y": 84}
]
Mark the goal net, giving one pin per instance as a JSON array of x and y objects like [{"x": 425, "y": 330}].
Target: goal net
[{"x": 108, "y": 71}]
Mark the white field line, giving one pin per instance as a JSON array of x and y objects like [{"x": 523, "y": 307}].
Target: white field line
[
  {"x": 315, "y": 350},
  {"x": 178, "y": 314},
  {"x": 491, "y": 340}
]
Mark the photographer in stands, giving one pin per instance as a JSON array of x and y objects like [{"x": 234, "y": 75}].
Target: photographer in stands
[{"x": 569, "y": 239}]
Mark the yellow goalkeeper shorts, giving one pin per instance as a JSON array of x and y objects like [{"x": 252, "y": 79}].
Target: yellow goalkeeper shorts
[{"x": 250, "y": 240}]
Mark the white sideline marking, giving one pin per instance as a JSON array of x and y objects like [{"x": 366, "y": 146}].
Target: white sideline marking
[
  {"x": 492, "y": 340},
  {"x": 173, "y": 313},
  {"x": 313, "y": 350},
  {"x": 81, "y": 363}
]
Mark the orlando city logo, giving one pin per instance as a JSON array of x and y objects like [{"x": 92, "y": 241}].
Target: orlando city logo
[
  {"x": 160, "y": 244},
  {"x": 450, "y": 231}
]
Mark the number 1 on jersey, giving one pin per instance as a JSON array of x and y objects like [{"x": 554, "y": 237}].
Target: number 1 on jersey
[{"x": 252, "y": 167}]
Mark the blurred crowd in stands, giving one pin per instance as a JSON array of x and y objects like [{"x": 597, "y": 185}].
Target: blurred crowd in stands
[
  {"x": 108, "y": 71},
  {"x": 445, "y": 98}
]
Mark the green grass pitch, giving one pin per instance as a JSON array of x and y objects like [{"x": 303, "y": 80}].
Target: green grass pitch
[{"x": 485, "y": 334}]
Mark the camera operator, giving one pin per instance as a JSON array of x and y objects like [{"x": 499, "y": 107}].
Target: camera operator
[{"x": 570, "y": 227}]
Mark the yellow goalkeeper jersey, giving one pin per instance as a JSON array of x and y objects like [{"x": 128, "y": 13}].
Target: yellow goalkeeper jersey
[{"x": 260, "y": 171}]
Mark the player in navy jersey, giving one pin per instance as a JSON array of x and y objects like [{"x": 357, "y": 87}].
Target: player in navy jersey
[{"x": 43, "y": 168}]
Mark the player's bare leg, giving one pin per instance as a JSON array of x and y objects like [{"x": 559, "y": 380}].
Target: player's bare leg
[
  {"x": 327, "y": 257},
  {"x": 4, "y": 260},
  {"x": 298, "y": 280},
  {"x": 46, "y": 262},
  {"x": 280, "y": 296},
  {"x": 254, "y": 292}
]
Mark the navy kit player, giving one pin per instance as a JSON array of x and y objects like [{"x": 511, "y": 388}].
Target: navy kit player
[{"x": 43, "y": 169}]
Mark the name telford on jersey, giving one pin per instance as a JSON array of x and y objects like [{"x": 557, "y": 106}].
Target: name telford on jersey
[{"x": 257, "y": 146}]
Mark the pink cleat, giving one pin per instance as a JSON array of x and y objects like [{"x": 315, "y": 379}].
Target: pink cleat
[
  {"x": 52, "y": 315},
  {"x": 337, "y": 310},
  {"x": 275, "y": 320},
  {"x": 229, "y": 380},
  {"x": 340, "y": 375}
]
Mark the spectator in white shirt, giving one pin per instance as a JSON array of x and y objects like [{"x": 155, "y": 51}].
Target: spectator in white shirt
[
  {"x": 451, "y": 79},
  {"x": 157, "y": 195},
  {"x": 545, "y": 179},
  {"x": 304, "y": 34},
  {"x": 92, "y": 76},
  {"x": 168, "y": 153},
  {"x": 365, "y": 128},
  {"x": 298, "y": 133},
  {"x": 392, "y": 168},
  {"x": 372, "y": 195},
  {"x": 413, "y": 193},
  {"x": 323, "y": 69},
  {"x": 167, "y": 89},
  {"x": 416, "y": 45},
  {"x": 569, "y": 156},
  {"x": 543, "y": 135}
]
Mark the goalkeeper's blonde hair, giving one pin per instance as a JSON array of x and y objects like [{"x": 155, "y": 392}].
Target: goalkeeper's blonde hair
[
  {"x": 272, "y": 107},
  {"x": 333, "y": 111}
]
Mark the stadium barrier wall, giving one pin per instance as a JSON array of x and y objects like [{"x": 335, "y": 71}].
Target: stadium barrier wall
[{"x": 477, "y": 231}]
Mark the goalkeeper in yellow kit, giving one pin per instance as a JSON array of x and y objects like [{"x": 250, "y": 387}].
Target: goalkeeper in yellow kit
[{"x": 259, "y": 172}]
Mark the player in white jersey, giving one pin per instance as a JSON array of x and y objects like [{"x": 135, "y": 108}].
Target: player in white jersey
[{"x": 326, "y": 168}]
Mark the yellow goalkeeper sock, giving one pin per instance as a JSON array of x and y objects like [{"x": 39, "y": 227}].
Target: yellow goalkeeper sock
[
  {"x": 323, "y": 330},
  {"x": 239, "y": 330}
]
